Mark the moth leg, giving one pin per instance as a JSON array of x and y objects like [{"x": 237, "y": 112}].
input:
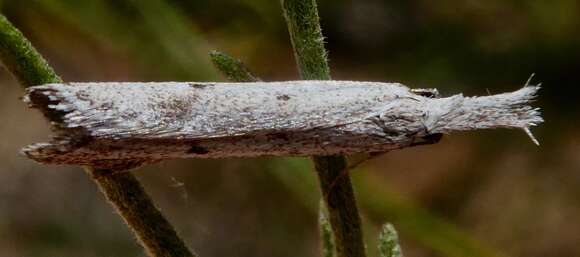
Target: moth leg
[
  {"x": 351, "y": 165},
  {"x": 428, "y": 139},
  {"x": 353, "y": 161}
]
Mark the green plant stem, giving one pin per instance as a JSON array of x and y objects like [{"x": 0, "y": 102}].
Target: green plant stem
[
  {"x": 121, "y": 189},
  {"x": 21, "y": 59},
  {"x": 232, "y": 68},
  {"x": 236, "y": 71},
  {"x": 339, "y": 200},
  {"x": 130, "y": 200},
  {"x": 307, "y": 41},
  {"x": 306, "y": 37},
  {"x": 326, "y": 238}
]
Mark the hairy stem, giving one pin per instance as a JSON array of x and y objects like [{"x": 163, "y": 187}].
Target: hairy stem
[
  {"x": 232, "y": 68},
  {"x": 307, "y": 41},
  {"x": 306, "y": 37},
  {"x": 236, "y": 71},
  {"x": 129, "y": 198},
  {"x": 122, "y": 190},
  {"x": 339, "y": 200},
  {"x": 21, "y": 59}
]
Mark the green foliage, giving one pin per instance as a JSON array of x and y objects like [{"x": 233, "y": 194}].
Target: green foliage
[{"x": 389, "y": 242}]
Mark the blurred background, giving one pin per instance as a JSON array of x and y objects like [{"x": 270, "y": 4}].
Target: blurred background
[{"x": 488, "y": 193}]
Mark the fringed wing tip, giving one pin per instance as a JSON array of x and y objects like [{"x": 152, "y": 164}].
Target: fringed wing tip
[
  {"x": 532, "y": 93},
  {"x": 531, "y": 136}
]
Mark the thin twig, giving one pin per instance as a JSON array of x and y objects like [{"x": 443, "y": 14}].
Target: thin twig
[
  {"x": 306, "y": 36},
  {"x": 122, "y": 190}
]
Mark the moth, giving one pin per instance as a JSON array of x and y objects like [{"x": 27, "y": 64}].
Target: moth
[{"x": 123, "y": 125}]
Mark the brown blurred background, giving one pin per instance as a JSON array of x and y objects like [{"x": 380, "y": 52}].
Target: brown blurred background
[{"x": 489, "y": 193}]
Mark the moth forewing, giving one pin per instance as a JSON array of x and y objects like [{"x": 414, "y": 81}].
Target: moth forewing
[
  {"x": 210, "y": 110},
  {"x": 105, "y": 124}
]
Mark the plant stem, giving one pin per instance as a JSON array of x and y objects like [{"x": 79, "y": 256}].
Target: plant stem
[
  {"x": 306, "y": 37},
  {"x": 232, "y": 68},
  {"x": 122, "y": 190},
  {"x": 130, "y": 200},
  {"x": 236, "y": 71},
  {"x": 307, "y": 40},
  {"x": 21, "y": 59},
  {"x": 328, "y": 247},
  {"x": 339, "y": 199}
]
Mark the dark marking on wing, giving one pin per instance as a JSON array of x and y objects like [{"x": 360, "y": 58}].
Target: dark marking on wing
[
  {"x": 197, "y": 149},
  {"x": 279, "y": 136},
  {"x": 199, "y": 85},
  {"x": 283, "y": 97}
]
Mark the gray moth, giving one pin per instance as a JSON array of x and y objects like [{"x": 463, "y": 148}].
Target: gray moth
[{"x": 123, "y": 125}]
